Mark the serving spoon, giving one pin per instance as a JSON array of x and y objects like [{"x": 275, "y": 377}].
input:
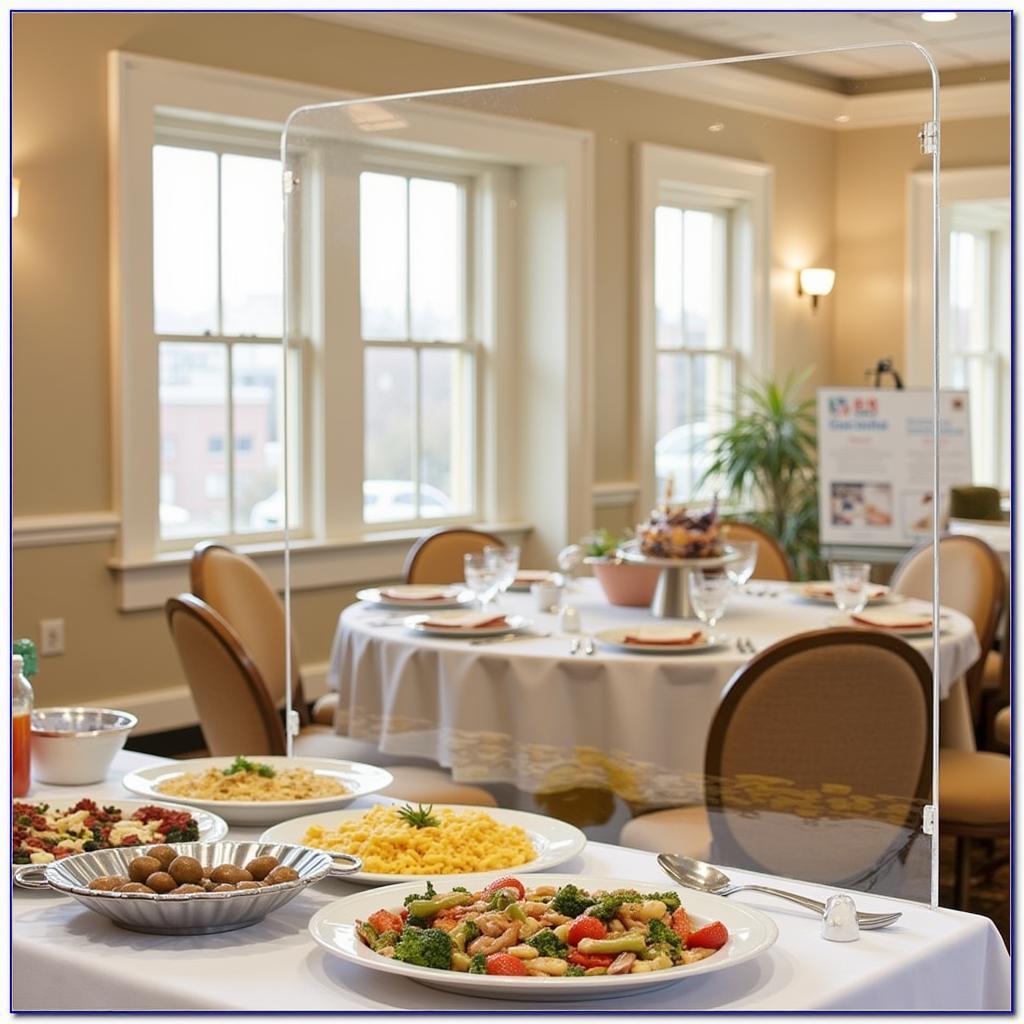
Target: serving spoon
[{"x": 695, "y": 874}]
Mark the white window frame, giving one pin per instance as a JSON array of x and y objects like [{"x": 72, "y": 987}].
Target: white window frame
[
  {"x": 544, "y": 328},
  {"x": 670, "y": 176}
]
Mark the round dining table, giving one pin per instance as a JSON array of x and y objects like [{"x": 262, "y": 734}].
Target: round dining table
[{"x": 531, "y": 712}]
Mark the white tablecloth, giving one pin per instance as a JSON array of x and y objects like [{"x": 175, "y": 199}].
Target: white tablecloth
[
  {"x": 67, "y": 958},
  {"x": 530, "y": 713}
]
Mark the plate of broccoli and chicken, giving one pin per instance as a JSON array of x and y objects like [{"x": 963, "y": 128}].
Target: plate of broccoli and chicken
[{"x": 547, "y": 937}]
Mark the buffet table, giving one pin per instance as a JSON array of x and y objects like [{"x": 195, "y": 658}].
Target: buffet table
[
  {"x": 67, "y": 958},
  {"x": 531, "y": 713}
]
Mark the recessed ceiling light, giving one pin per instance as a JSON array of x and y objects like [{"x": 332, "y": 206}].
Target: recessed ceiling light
[
  {"x": 841, "y": 118},
  {"x": 939, "y": 16},
  {"x": 716, "y": 127}
]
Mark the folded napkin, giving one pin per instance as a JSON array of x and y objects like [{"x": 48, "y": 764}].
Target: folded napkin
[
  {"x": 465, "y": 620},
  {"x": 417, "y": 592},
  {"x": 662, "y": 638},
  {"x": 532, "y": 575},
  {"x": 892, "y": 618},
  {"x": 828, "y": 591}
]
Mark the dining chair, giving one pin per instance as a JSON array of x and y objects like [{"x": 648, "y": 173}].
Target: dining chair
[
  {"x": 437, "y": 556},
  {"x": 237, "y": 714},
  {"x": 817, "y": 764},
  {"x": 970, "y": 581},
  {"x": 772, "y": 561}
]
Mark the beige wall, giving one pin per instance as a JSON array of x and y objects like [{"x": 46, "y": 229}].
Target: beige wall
[
  {"x": 62, "y": 436},
  {"x": 871, "y": 218}
]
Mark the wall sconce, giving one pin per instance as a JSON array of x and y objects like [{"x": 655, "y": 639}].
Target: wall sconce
[
  {"x": 15, "y": 191},
  {"x": 815, "y": 281}
]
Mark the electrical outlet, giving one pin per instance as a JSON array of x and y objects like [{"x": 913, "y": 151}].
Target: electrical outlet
[{"x": 51, "y": 636}]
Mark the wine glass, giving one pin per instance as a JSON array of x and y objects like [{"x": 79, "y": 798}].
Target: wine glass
[
  {"x": 709, "y": 594},
  {"x": 850, "y": 585},
  {"x": 506, "y": 562},
  {"x": 481, "y": 576},
  {"x": 740, "y": 569},
  {"x": 570, "y": 563}
]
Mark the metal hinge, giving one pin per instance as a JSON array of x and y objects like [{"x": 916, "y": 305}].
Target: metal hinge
[
  {"x": 293, "y": 722},
  {"x": 928, "y": 820},
  {"x": 291, "y": 182},
  {"x": 929, "y": 136}
]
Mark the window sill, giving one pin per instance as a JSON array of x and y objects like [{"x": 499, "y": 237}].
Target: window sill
[{"x": 315, "y": 563}]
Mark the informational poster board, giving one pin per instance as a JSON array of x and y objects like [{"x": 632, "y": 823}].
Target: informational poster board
[{"x": 875, "y": 462}]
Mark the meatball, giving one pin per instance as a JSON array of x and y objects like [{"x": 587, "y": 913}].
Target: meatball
[
  {"x": 134, "y": 887},
  {"x": 142, "y": 867},
  {"x": 188, "y": 887},
  {"x": 282, "y": 873},
  {"x": 230, "y": 873},
  {"x": 261, "y": 867},
  {"x": 185, "y": 869},
  {"x": 108, "y": 883},
  {"x": 164, "y": 854}
]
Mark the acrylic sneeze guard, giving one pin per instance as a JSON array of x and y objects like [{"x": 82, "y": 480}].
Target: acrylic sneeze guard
[{"x": 501, "y": 290}]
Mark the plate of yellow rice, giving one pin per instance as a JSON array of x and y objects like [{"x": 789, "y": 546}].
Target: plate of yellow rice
[{"x": 399, "y": 843}]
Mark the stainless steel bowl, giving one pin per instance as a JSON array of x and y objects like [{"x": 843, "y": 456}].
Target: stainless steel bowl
[
  {"x": 75, "y": 746},
  {"x": 191, "y": 913}
]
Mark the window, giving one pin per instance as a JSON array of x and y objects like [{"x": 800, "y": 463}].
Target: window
[
  {"x": 217, "y": 310},
  {"x": 704, "y": 313},
  {"x": 418, "y": 357},
  {"x": 977, "y": 308},
  {"x": 696, "y": 357}
]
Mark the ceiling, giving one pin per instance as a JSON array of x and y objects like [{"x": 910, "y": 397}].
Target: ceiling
[{"x": 975, "y": 38}]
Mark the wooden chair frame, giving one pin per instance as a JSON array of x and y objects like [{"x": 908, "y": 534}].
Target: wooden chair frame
[
  {"x": 748, "y": 676},
  {"x": 416, "y": 550},
  {"x": 198, "y": 610}
]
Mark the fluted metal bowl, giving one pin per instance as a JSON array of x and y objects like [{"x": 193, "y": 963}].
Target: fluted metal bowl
[{"x": 189, "y": 913}]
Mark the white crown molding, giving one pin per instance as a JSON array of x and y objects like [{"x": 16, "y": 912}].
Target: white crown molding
[
  {"x": 571, "y": 50},
  {"x": 64, "y": 528}
]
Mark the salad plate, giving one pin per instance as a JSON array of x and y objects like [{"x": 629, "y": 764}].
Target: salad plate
[
  {"x": 358, "y": 780},
  {"x": 211, "y": 827},
  {"x": 526, "y": 578},
  {"x": 416, "y": 597},
  {"x": 658, "y": 640},
  {"x": 555, "y": 842},
  {"x": 820, "y": 592},
  {"x": 751, "y": 933},
  {"x": 909, "y": 629},
  {"x": 467, "y": 624}
]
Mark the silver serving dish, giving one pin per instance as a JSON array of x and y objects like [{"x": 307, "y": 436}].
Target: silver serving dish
[
  {"x": 191, "y": 913},
  {"x": 76, "y": 746},
  {"x": 80, "y": 721}
]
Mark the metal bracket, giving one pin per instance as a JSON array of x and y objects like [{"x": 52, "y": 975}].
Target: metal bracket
[
  {"x": 291, "y": 182},
  {"x": 293, "y": 722},
  {"x": 928, "y": 820},
  {"x": 929, "y": 136}
]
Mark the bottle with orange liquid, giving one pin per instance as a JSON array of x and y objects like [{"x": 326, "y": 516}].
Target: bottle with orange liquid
[{"x": 21, "y": 729}]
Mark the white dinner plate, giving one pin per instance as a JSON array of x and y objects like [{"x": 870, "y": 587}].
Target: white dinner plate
[
  {"x": 910, "y": 631},
  {"x": 615, "y": 639},
  {"x": 750, "y": 934},
  {"x": 877, "y": 594},
  {"x": 358, "y": 779},
  {"x": 212, "y": 827},
  {"x": 458, "y": 598},
  {"x": 555, "y": 841},
  {"x": 418, "y": 624}
]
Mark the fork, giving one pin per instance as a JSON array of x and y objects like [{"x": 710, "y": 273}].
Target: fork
[
  {"x": 745, "y": 645},
  {"x": 588, "y": 646},
  {"x": 574, "y": 647}
]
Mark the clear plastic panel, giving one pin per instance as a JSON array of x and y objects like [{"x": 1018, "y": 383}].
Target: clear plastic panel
[{"x": 513, "y": 291}]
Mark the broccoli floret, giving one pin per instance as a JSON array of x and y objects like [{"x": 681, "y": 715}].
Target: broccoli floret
[
  {"x": 547, "y": 943},
  {"x": 478, "y": 965},
  {"x": 385, "y": 939},
  {"x": 425, "y": 947},
  {"x": 463, "y": 934},
  {"x": 661, "y": 939},
  {"x": 428, "y": 895},
  {"x": 606, "y": 908},
  {"x": 670, "y": 899},
  {"x": 459, "y": 888},
  {"x": 502, "y": 899},
  {"x": 574, "y": 971},
  {"x": 571, "y": 901}
]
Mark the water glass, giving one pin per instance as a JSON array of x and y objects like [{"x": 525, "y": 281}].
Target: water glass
[
  {"x": 709, "y": 594},
  {"x": 506, "y": 564},
  {"x": 481, "y": 576},
  {"x": 742, "y": 568},
  {"x": 850, "y": 585}
]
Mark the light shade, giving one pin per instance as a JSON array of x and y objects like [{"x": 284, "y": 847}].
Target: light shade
[
  {"x": 817, "y": 280},
  {"x": 939, "y": 16}
]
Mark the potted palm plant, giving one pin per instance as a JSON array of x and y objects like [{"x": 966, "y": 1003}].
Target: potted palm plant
[
  {"x": 624, "y": 583},
  {"x": 766, "y": 461}
]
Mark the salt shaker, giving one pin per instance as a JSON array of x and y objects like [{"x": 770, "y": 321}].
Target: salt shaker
[
  {"x": 569, "y": 619},
  {"x": 839, "y": 922}
]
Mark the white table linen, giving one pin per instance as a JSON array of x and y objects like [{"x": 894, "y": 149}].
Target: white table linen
[
  {"x": 67, "y": 958},
  {"x": 530, "y": 713}
]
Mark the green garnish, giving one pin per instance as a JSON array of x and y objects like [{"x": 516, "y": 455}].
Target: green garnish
[
  {"x": 243, "y": 764},
  {"x": 420, "y": 818}
]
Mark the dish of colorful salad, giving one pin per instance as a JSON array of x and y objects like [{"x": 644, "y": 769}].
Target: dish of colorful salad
[
  {"x": 45, "y": 831},
  {"x": 545, "y": 937}
]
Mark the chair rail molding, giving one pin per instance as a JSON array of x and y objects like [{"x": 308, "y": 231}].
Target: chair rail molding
[{"x": 40, "y": 531}]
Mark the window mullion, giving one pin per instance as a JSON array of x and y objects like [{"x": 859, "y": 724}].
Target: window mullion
[
  {"x": 417, "y": 429},
  {"x": 229, "y": 454}
]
